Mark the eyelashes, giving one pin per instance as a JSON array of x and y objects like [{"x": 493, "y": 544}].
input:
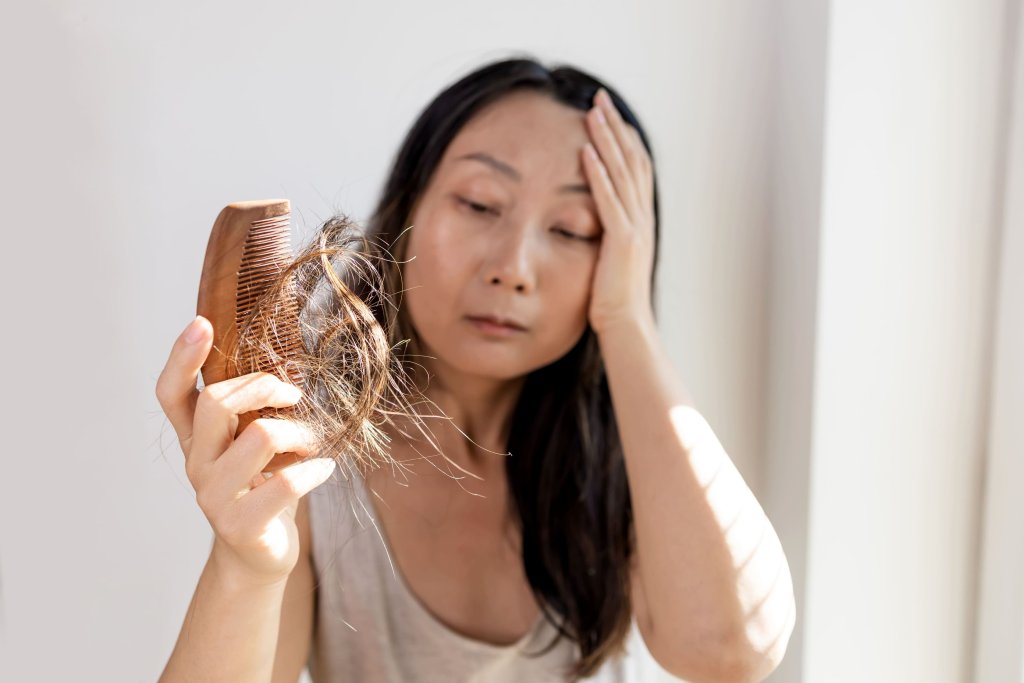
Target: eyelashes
[
  {"x": 477, "y": 208},
  {"x": 483, "y": 210}
]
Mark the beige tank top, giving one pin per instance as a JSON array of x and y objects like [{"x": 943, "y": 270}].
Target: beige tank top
[{"x": 370, "y": 627}]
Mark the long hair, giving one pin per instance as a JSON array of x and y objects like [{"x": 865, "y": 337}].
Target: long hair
[{"x": 569, "y": 493}]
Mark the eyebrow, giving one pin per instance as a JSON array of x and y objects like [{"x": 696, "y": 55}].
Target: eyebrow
[{"x": 505, "y": 169}]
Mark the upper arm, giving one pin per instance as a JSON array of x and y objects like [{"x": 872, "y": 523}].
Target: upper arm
[{"x": 296, "y": 630}]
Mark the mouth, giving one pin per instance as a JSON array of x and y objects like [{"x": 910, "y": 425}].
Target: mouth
[{"x": 496, "y": 325}]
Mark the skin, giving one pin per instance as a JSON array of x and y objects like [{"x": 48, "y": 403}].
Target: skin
[
  {"x": 523, "y": 248},
  {"x": 499, "y": 234},
  {"x": 724, "y": 608}
]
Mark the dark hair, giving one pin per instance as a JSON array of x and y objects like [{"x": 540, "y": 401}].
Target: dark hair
[{"x": 565, "y": 471}]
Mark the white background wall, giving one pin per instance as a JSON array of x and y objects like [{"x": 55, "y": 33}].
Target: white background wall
[
  {"x": 902, "y": 362},
  {"x": 883, "y": 403},
  {"x": 830, "y": 181}
]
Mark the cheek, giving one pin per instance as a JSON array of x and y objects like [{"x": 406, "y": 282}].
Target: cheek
[
  {"x": 567, "y": 301},
  {"x": 439, "y": 258},
  {"x": 434, "y": 243},
  {"x": 431, "y": 276},
  {"x": 573, "y": 296},
  {"x": 574, "y": 281}
]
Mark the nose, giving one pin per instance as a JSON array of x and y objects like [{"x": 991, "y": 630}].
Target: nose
[{"x": 511, "y": 262}]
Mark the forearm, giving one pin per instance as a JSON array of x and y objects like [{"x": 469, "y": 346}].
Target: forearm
[
  {"x": 230, "y": 631},
  {"x": 709, "y": 561}
]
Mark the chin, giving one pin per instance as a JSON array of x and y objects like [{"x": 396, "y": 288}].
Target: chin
[
  {"x": 496, "y": 360},
  {"x": 498, "y": 364}
]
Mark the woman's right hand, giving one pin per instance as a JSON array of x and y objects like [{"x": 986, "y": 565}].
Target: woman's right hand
[{"x": 253, "y": 517}]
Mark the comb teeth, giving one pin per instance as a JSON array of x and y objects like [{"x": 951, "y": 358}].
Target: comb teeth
[
  {"x": 265, "y": 255},
  {"x": 248, "y": 250}
]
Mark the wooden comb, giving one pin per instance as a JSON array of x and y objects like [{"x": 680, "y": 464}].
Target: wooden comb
[{"x": 249, "y": 248}]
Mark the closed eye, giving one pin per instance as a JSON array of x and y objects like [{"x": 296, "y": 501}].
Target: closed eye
[
  {"x": 477, "y": 208},
  {"x": 573, "y": 236}
]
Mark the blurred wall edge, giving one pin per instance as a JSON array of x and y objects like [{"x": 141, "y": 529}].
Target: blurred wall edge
[
  {"x": 893, "y": 468},
  {"x": 1000, "y": 633}
]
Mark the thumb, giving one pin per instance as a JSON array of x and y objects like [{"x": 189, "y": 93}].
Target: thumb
[{"x": 176, "y": 386}]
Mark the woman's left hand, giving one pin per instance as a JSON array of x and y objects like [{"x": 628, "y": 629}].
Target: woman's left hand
[{"x": 621, "y": 180}]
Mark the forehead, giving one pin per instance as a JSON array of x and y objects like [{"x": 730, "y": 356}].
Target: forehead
[{"x": 535, "y": 135}]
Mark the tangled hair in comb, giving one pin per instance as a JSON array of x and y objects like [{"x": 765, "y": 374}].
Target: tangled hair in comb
[{"x": 353, "y": 379}]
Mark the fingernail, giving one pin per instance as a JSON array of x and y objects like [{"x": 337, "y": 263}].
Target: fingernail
[
  {"x": 194, "y": 332},
  {"x": 295, "y": 392}
]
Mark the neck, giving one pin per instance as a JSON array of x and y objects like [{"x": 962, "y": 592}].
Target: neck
[{"x": 469, "y": 418}]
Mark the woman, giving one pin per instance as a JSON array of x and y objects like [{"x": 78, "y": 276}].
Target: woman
[{"x": 594, "y": 497}]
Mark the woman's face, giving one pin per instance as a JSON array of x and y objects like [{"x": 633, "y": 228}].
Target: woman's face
[{"x": 506, "y": 227}]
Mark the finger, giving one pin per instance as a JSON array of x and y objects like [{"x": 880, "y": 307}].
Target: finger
[
  {"x": 176, "y": 385},
  {"x": 285, "y": 487},
  {"x": 630, "y": 145},
  {"x": 613, "y": 216},
  {"x": 628, "y": 137},
  {"x": 610, "y": 151},
  {"x": 219, "y": 405},
  {"x": 283, "y": 460},
  {"x": 646, "y": 169},
  {"x": 247, "y": 456}
]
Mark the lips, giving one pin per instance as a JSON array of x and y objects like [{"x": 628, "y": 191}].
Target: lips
[{"x": 499, "y": 320}]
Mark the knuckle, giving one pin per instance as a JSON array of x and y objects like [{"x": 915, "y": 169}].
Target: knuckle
[
  {"x": 291, "y": 485},
  {"x": 210, "y": 399},
  {"x": 263, "y": 433},
  {"x": 205, "y": 398},
  {"x": 194, "y": 474},
  {"x": 212, "y": 392},
  {"x": 259, "y": 379},
  {"x": 163, "y": 392},
  {"x": 204, "y": 502}
]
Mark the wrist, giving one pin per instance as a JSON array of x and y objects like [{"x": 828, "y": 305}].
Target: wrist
[
  {"x": 631, "y": 327},
  {"x": 233, "y": 577}
]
